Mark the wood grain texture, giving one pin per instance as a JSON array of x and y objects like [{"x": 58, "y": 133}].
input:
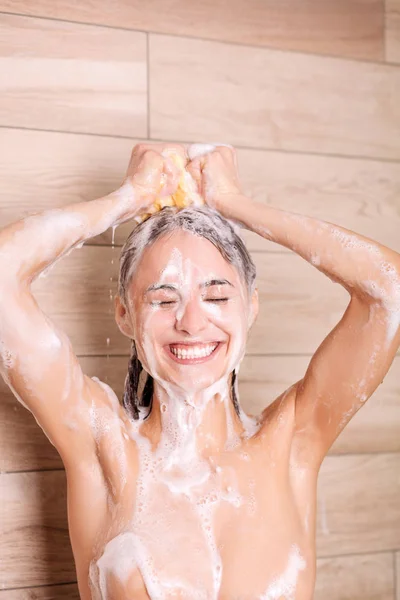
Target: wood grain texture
[
  {"x": 358, "y": 577},
  {"x": 392, "y": 30},
  {"x": 358, "y": 507},
  {"x": 359, "y": 510},
  {"x": 77, "y": 293},
  {"x": 337, "y": 27},
  {"x": 272, "y": 99},
  {"x": 68, "y": 591},
  {"x": 71, "y": 77},
  {"x": 35, "y": 545},
  {"x": 397, "y": 575},
  {"x": 42, "y": 170},
  {"x": 375, "y": 428}
]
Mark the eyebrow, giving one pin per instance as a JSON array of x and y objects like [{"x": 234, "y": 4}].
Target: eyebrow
[{"x": 170, "y": 286}]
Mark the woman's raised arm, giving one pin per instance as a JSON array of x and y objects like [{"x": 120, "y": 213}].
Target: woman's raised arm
[
  {"x": 36, "y": 358},
  {"x": 354, "y": 358}
]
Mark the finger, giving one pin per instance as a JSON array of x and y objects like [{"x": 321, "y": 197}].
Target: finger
[
  {"x": 170, "y": 178},
  {"x": 196, "y": 150},
  {"x": 227, "y": 152},
  {"x": 195, "y": 168},
  {"x": 175, "y": 149}
]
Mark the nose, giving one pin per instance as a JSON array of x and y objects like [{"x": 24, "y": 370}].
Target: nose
[{"x": 191, "y": 317}]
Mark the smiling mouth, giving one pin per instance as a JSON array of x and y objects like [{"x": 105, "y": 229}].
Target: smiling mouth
[{"x": 191, "y": 354}]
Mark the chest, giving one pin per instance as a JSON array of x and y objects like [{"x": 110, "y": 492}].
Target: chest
[{"x": 215, "y": 531}]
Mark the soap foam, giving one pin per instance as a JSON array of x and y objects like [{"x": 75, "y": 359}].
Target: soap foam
[
  {"x": 285, "y": 585},
  {"x": 176, "y": 464}
]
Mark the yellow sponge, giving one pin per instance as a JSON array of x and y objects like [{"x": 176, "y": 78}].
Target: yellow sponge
[{"x": 185, "y": 195}]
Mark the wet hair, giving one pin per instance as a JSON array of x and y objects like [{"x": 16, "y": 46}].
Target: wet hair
[{"x": 202, "y": 221}]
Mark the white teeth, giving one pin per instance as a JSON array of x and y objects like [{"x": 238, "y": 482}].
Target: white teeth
[{"x": 194, "y": 352}]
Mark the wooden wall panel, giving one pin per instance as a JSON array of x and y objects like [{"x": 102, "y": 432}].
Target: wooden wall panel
[
  {"x": 342, "y": 28},
  {"x": 375, "y": 428},
  {"x": 359, "y": 506},
  {"x": 270, "y": 99},
  {"x": 72, "y": 77},
  {"x": 76, "y": 293},
  {"x": 392, "y": 16},
  {"x": 357, "y": 577},
  {"x": 41, "y": 170},
  {"x": 68, "y": 591},
  {"x": 397, "y": 575},
  {"x": 360, "y": 195},
  {"x": 293, "y": 114},
  {"x": 35, "y": 545}
]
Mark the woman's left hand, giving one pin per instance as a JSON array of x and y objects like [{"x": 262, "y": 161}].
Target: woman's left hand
[{"x": 217, "y": 178}]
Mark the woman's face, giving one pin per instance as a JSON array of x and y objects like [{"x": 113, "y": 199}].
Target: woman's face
[{"x": 188, "y": 312}]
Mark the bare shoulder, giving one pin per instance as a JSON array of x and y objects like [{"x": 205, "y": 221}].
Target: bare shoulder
[
  {"x": 105, "y": 423},
  {"x": 98, "y": 480}
]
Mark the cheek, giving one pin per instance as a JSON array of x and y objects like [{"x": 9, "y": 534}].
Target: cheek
[{"x": 231, "y": 317}]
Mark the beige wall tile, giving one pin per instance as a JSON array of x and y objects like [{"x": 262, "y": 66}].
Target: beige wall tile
[
  {"x": 392, "y": 30},
  {"x": 361, "y": 516},
  {"x": 343, "y": 28},
  {"x": 71, "y": 77},
  {"x": 68, "y": 591},
  {"x": 76, "y": 293},
  {"x": 35, "y": 545},
  {"x": 375, "y": 428},
  {"x": 41, "y": 170},
  {"x": 366, "y": 577},
  {"x": 357, "y": 577},
  {"x": 358, "y": 507},
  {"x": 271, "y": 99}
]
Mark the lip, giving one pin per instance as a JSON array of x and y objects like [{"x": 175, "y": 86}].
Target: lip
[{"x": 193, "y": 361}]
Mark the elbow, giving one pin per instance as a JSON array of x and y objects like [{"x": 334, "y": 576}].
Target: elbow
[{"x": 385, "y": 288}]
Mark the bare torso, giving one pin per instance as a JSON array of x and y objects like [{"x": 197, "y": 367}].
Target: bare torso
[{"x": 237, "y": 525}]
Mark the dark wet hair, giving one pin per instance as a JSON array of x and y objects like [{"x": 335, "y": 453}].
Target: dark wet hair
[{"x": 202, "y": 221}]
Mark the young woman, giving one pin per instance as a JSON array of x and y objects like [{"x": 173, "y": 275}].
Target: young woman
[{"x": 176, "y": 493}]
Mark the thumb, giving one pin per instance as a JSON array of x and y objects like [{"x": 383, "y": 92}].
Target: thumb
[
  {"x": 195, "y": 168},
  {"x": 169, "y": 178}
]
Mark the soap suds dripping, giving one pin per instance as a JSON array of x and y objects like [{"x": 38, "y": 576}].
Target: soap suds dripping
[{"x": 285, "y": 585}]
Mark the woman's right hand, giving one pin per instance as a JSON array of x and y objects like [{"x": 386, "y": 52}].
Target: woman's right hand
[{"x": 152, "y": 173}]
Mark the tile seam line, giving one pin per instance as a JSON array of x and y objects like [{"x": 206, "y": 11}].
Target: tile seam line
[
  {"x": 202, "y": 39},
  {"x": 148, "y": 122},
  {"x": 334, "y": 455},
  {"x": 328, "y": 556},
  {"x": 45, "y": 585},
  {"x": 385, "y": 27},
  {"x": 368, "y": 553},
  {"x": 375, "y": 159}
]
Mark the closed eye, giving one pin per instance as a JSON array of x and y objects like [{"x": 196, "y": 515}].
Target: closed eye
[
  {"x": 217, "y": 300},
  {"x": 160, "y": 303}
]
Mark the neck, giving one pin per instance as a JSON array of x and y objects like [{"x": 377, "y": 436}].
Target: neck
[{"x": 202, "y": 422}]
